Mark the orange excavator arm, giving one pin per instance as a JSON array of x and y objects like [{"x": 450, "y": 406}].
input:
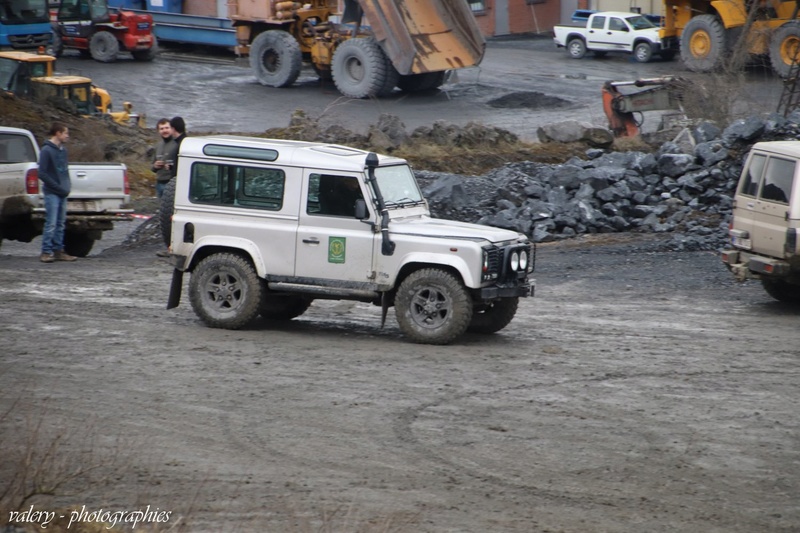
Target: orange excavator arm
[{"x": 657, "y": 94}]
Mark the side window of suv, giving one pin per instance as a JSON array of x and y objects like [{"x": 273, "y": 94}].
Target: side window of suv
[
  {"x": 752, "y": 178},
  {"x": 778, "y": 180},
  {"x": 251, "y": 187},
  {"x": 333, "y": 195}
]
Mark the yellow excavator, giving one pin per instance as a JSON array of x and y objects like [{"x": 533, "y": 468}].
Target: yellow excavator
[
  {"x": 707, "y": 31},
  {"x": 33, "y": 76}
]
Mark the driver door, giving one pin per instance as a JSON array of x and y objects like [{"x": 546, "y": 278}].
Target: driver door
[{"x": 332, "y": 245}]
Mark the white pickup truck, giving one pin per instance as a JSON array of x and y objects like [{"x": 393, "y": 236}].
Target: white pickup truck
[
  {"x": 613, "y": 31},
  {"x": 99, "y": 193}
]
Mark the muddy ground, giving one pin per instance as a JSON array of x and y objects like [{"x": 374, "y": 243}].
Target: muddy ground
[{"x": 636, "y": 392}]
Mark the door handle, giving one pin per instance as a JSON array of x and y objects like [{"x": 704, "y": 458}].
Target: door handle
[
  {"x": 310, "y": 241},
  {"x": 80, "y": 174}
]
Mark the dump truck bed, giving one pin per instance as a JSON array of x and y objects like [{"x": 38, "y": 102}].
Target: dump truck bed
[{"x": 425, "y": 35}]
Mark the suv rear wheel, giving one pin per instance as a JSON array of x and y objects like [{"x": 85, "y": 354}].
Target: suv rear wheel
[
  {"x": 781, "y": 290},
  {"x": 274, "y": 307},
  {"x": 225, "y": 291},
  {"x": 433, "y": 307}
]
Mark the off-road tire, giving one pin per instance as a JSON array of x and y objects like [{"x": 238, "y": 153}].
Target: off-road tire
[
  {"x": 427, "y": 81},
  {"x": 359, "y": 68},
  {"x": 104, "y": 47},
  {"x": 703, "y": 44},
  {"x": 391, "y": 79},
  {"x": 165, "y": 211},
  {"x": 576, "y": 48},
  {"x": 146, "y": 55},
  {"x": 433, "y": 307},
  {"x": 781, "y": 290},
  {"x": 283, "y": 307},
  {"x": 783, "y": 46},
  {"x": 225, "y": 291},
  {"x": 494, "y": 317},
  {"x": 78, "y": 244},
  {"x": 275, "y": 58},
  {"x": 643, "y": 52}
]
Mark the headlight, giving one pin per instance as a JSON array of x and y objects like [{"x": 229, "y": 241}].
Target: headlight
[
  {"x": 523, "y": 260},
  {"x": 514, "y": 261},
  {"x": 485, "y": 262}
]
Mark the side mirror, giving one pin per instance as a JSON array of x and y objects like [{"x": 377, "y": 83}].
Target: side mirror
[{"x": 361, "y": 209}]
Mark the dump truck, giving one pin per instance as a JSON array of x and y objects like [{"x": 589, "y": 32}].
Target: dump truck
[
  {"x": 707, "y": 31},
  {"x": 408, "y": 44}
]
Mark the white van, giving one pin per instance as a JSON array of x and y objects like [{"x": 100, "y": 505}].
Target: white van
[{"x": 766, "y": 218}]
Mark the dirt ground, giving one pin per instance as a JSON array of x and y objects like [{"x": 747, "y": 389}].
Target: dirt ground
[{"x": 636, "y": 391}]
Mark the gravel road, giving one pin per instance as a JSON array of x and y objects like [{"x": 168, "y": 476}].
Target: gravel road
[{"x": 636, "y": 392}]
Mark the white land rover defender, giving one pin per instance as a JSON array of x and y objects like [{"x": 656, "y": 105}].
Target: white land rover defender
[
  {"x": 267, "y": 226},
  {"x": 766, "y": 220}
]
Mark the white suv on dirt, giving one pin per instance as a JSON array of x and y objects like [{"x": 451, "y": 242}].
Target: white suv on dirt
[
  {"x": 766, "y": 218},
  {"x": 267, "y": 226}
]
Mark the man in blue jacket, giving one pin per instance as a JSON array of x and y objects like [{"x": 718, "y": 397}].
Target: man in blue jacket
[{"x": 54, "y": 174}]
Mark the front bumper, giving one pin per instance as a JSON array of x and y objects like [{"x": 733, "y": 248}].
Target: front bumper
[{"x": 522, "y": 290}]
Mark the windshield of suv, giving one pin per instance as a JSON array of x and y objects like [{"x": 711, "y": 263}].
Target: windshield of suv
[
  {"x": 640, "y": 23},
  {"x": 398, "y": 186}
]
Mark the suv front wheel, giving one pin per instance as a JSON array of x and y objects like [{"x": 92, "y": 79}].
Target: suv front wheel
[
  {"x": 225, "y": 291},
  {"x": 433, "y": 307}
]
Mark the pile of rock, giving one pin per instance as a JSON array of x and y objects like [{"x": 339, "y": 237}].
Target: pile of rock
[{"x": 685, "y": 188}]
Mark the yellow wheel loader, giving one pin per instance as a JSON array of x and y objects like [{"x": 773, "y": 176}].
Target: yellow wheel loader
[{"x": 708, "y": 31}]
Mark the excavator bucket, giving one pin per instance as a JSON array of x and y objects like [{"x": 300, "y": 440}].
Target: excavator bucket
[{"x": 422, "y": 36}]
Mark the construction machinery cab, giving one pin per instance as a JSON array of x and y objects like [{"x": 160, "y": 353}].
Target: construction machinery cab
[
  {"x": 94, "y": 30},
  {"x": 17, "y": 69},
  {"x": 76, "y": 90}
]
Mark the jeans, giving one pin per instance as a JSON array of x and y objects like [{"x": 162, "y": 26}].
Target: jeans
[
  {"x": 55, "y": 219},
  {"x": 160, "y": 186}
]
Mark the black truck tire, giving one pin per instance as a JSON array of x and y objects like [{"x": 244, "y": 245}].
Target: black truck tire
[
  {"x": 78, "y": 244},
  {"x": 703, "y": 44},
  {"x": 283, "y": 307},
  {"x": 359, "y": 68},
  {"x": 494, "y": 316},
  {"x": 433, "y": 307},
  {"x": 576, "y": 48},
  {"x": 275, "y": 58},
  {"x": 426, "y": 81},
  {"x": 781, "y": 290},
  {"x": 225, "y": 291},
  {"x": 784, "y": 47},
  {"x": 165, "y": 211},
  {"x": 146, "y": 55},
  {"x": 104, "y": 47},
  {"x": 643, "y": 52}
]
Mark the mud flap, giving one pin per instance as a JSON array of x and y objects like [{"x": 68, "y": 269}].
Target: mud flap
[
  {"x": 384, "y": 308},
  {"x": 175, "y": 289}
]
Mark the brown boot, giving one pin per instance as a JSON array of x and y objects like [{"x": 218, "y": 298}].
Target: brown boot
[
  {"x": 63, "y": 256},
  {"x": 47, "y": 258}
]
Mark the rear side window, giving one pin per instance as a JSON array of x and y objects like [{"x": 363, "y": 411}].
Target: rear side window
[
  {"x": 16, "y": 148},
  {"x": 598, "y": 23},
  {"x": 778, "y": 179},
  {"x": 241, "y": 186},
  {"x": 752, "y": 176}
]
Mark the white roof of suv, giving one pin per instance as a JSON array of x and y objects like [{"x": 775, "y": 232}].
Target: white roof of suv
[
  {"x": 790, "y": 148},
  {"x": 281, "y": 152}
]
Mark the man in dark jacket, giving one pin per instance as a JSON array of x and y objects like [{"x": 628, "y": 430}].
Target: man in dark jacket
[
  {"x": 54, "y": 174},
  {"x": 165, "y": 156},
  {"x": 179, "y": 134}
]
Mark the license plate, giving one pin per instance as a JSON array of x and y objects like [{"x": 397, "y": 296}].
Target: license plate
[{"x": 744, "y": 244}]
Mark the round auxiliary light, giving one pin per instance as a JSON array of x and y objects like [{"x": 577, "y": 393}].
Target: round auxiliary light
[
  {"x": 514, "y": 261},
  {"x": 523, "y": 260}
]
